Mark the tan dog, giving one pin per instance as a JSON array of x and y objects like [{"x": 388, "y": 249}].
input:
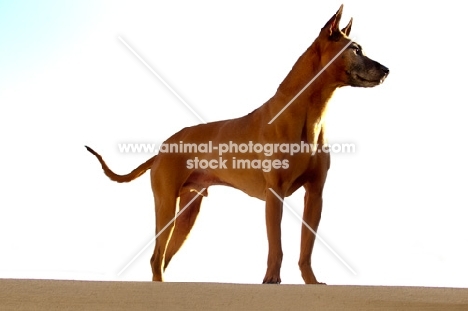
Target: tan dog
[{"x": 333, "y": 61}]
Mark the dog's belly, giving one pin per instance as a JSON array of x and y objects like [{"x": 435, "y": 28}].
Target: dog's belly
[
  {"x": 200, "y": 179},
  {"x": 251, "y": 183}
]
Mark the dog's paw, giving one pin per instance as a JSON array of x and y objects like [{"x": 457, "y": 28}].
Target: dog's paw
[{"x": 272, "y": 280}]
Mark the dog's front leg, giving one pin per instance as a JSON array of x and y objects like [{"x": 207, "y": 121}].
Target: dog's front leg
[
  {"x": 274, "y": 213},
  {"x": 311, "y": 216}
]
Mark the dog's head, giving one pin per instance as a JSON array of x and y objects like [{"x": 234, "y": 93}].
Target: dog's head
[{"x": 351, "y": 66}]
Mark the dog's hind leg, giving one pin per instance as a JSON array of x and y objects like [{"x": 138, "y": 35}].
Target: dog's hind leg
[
  {"x": 183, "y": 223},
  {"x": 165, "y": 213}
]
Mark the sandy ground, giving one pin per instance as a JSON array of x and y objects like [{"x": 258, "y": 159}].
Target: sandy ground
[{"x": 80, "y": 295}]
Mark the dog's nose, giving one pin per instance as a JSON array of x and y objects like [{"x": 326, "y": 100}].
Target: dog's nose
[{"x": 385, "y": 70}]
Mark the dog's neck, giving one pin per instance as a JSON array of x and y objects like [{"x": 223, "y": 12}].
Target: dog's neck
[{"x": 308, "y": 110}]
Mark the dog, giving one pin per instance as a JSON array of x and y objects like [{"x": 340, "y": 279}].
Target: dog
[{"x": 293, "y": 116}]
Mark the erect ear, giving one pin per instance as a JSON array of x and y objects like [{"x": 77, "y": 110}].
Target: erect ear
[
  {"x": 347, "y": 29},
  {"x": 332, "y": 26}
]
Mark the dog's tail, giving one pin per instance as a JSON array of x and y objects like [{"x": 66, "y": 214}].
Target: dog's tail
[{"x": 140, "y": 170}]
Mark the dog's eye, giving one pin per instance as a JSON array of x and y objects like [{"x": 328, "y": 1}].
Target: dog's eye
[{"x": 357, "y": 50}]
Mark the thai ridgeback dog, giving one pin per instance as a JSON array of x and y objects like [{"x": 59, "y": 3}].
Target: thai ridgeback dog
[{"x": 332, "y": 61}]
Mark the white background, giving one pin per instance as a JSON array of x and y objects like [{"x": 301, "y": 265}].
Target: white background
[{"x": 395, "y": 210}]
